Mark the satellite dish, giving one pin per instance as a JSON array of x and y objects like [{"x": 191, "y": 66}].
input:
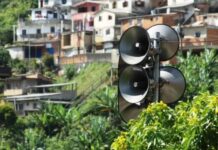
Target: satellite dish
[
  {"x": 134, "y": 45},
  {"x": 133, "y": 84},
  {"x": 130, "y": 110},
  {"x": 173, "y": 84},
  {"x": 169, "y": 40}
]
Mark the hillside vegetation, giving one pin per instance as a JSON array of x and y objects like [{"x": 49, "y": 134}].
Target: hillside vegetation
[
  {"x": 89, "y": 76},
  {"x": 10, "y": 11}
]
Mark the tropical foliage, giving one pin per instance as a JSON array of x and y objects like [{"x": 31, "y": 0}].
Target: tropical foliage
[
  {"x": 56, "y": 127},
  {"x": 200, "y": 72},
  {"x": 191, "y": 125},
  {"x": 10, "y": 11},
  {"x": 5, "y": 57}
]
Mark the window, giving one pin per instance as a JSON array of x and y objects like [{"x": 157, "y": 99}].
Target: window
[
  {"x": 96, "y": 32},
  {"x": 198, "y": 34},
  {"x": 38, "y": 14},
  {"x": 8, "y": 86},
  {"x": 55, "y": 15},
  {"x": 107, "y": 31},
  {"x": 109, "y": 17},
  {"x": 125, "y": 4},
  {"x": 93, "y": 8},
  {"x": 20, "y": 106},
  {"x": 99, "y": 18},
  {"x": 27, "y": 104},
  {"x": 139, "y": 21},
  {"x": 82, "y": 9},
  {"x": 23, "y": 32},
  {"x": 49, "y": 12},
  {"x": 52, "y": 29},
  {"x": 91, "y": 23},
  {"x": 64, "y": 1},
  {"x": 34, "y": 105},
  {"x": 139, "y": 3},
  {"x": 114, "y": 5},
  {"x": 46, "y": 1},
  {"x": 205, "y": 17},
  {"x": 67, "y": 40},
  {"x": 38, "y": 31}
]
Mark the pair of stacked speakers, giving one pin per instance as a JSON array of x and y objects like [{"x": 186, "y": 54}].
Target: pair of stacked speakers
[{"x": 136, "y": 69}]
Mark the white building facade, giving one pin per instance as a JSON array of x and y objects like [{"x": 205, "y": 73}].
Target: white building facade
[{"x": 107, "y": 28}]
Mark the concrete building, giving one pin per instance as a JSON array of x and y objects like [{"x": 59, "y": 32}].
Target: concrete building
[
  {"x": 82, "y": 27},
  {"x": 147, "y": 21},
  {"x": 107, "y": 29},
  {"x": 33, "y": 101},
  {"x": 199, "y": 37},
  {"x": 184, "y": 7},
  {"x": 53, "y": 3},
  {"x": 41, "y": 33},
  {"x": 29, "y": 92},
  {"x": 19, "y": 85},
  {"x": 135, "y": 6}
]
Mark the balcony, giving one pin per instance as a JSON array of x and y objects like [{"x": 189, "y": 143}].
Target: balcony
[
  {"x": 38, "y": 37},
  {"x": 41, "y": 22}
]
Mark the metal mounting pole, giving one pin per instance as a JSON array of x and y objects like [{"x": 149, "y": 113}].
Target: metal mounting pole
[{"x": 157, "y": 66}]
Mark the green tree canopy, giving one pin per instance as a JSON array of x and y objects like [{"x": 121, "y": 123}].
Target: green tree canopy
[
  {"x": 5, "y": 57},
  {"x": 10, "y": 12}
]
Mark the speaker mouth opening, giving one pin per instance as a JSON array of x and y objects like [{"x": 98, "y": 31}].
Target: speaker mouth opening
[
  {"x": 134, "y": 45},
  {"x": 133, "y": 84}
]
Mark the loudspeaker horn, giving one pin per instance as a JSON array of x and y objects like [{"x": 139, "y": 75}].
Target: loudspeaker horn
[
  {"x": 129, "y": 110},
  {"x": 172, "y": 85},
  {"x": 134, "y": 45},
  {"x": 169, "y": 40},
  {"x": 133, "y": 84}
]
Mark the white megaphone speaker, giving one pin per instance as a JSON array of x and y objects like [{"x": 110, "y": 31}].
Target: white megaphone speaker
[
  {"x": 172, "y": 85},
  {"x": 133, "y": 84},
  {"x": 169, "y": 40},
  {"x": 134, "y": 45}
]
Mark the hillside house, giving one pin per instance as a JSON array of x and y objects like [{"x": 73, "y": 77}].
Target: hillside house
[
  {"x": 198, "y": 37},
  {"x": 53, "y": 3},
  {"x": 83, "y": 25},
  {"x": 146, "y": 21},
  {"x": 107, "y": 29},
  {"x": 135, "y": 6},
  {"x": 185, "y": 7},
  {"x": 19, "y": 85},
  {"x": 38, "y": 95}
]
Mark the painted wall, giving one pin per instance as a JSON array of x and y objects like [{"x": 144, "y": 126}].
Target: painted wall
[
  {"x": 17, "y": 87},
  {"x": 16, "y": 52},
  {"x": 102, "y": 20},
  {"x": 148, "y": 21},
  {"x": 191, "y": 31},
  {"x": 51, "y": 3},
  {"x": 179, "y": 2},
  {"x": 83, "y": 20}
]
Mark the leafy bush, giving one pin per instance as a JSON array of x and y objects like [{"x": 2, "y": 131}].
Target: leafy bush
[
  {"x": 5, "y": 57},
  {"x": 69, "y": 71},
  {"x": 7, "y": 115},
  {"x": 200, "y": 72},
  {"x": 1, "y": 87},
  {"x": 191, "y": 125},
  {"x": 19, "y": 66},
  {"x": 48, "y": 62}
]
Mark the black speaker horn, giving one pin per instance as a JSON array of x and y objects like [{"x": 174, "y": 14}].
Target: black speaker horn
[
  {"x": 133, "y": 84},
  {"x": 134, "y": 45},
  {"x": 173, "y": 84},
  {"x": 169, "y": 40}
]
